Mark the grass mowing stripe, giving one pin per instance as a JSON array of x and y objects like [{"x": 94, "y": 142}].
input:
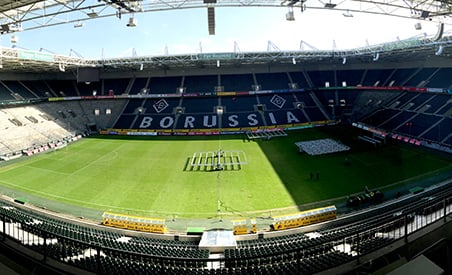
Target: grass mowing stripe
[{"x": 153, "y": 175}]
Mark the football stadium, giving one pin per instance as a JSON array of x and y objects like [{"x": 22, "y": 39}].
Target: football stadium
[{"x": 275, "y": 162}]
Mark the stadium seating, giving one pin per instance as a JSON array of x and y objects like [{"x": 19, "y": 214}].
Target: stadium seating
[
  {"x": 237, "y": 82},
  {"x": 117, "y": 86},
  {"x": 321, "y": 78},
  {"x": 299, "y": 79},
  {"x": 349, "y": 77},
  {"x": 418, "y": 124},
  {"x": 278, "y": 101},
  {"x": 441, "y": 78},
  {"x": 89, "y": 89},
  {"x": 435, "y": 103},
  {"x": 139, "y": 86},
  {"x": 400, "y": 111},
  {"x": 5, "y": 94},
  {"x": 305, "y": 98},
  {"x": 199, "y": 105},
  {"x": 397, "y": 120},
  {"x": 445, "y": 109},
  {"x": 196, "y": 84},
  {"x": 272, "y": 81},
  {"x": 164, "y": 85},
  {"x": 238, "y": 103},
  {"x": 399, "y": 77},
  {"x": 132, "y": 105},
  {"x": 61, "y": 88},
  {"x": 422, "y": 115},
  {"x": 36, "y": 87},
  {"x": 421, "y": 78},
  {"x": 160, "y": 106},
  {"x": 376, "y": 77},
  {"x": 440, "y": 131},
  {"x": 16, "y": 87}
]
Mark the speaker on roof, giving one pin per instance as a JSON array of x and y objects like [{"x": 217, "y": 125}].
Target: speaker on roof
[
  {"x": 211, "y": 20},
  {"x": 5, "y": 28}
]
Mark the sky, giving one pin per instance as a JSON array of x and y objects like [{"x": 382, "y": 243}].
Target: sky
[{"x": 186, "y": 32}]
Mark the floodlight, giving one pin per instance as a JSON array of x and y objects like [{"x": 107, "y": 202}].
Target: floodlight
[
  {"x": 290, "y": 16},
  {"x": 376, "y": 57},
  {"x": 14, "y": 39},
  {"x": 347, "y": 14},
  {"x": 219, "y": 110},
  {"x": 293, "y": 85},
  {"x": 78, "y": 24},
  {"x": 132, "y": 22},
  {"x": 425, "y": 14},
  {"x": 92, "y": 14},
  {"x": 330, "y": 5},
  {"x": 440, "y": 50}
]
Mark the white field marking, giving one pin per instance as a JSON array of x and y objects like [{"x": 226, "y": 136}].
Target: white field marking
[
  {"x": 108, "y": 157},
  {"x": 86, "y": 203},
  {"x": 48, "y": 170}
]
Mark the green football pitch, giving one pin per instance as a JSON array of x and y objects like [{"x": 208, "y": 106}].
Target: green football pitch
[{"x": 153, "y": 176}]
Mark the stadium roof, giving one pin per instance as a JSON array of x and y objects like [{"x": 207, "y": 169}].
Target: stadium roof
[
  {"x": 18, "y": 15},
  {"x": 417, "y": 50}
]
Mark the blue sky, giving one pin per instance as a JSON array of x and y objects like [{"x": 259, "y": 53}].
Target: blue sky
[{"x": 186, "y": 31}]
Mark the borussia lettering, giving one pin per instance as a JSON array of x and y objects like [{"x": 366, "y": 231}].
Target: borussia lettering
[
  {"x": 212, "y": 124},
  {"x": 252, "y": 120},
  {"x": 166, "y": 122},
  {"x": 291, "y": 118},
  {"x": 189, "y": 120},
  {"x": 233, "y": 122},
  {"x": 146, "y": 122},
  {"x": 211, "y": 121}
]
